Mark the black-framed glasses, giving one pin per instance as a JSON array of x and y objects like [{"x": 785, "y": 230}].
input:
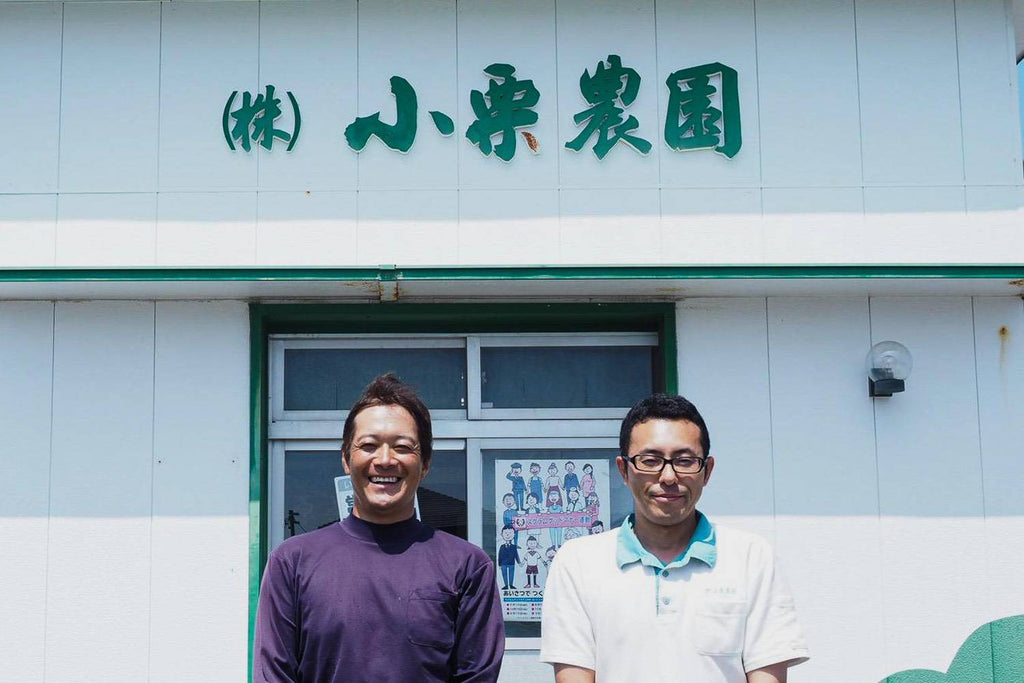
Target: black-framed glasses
[{"x": 654, "y": 464}]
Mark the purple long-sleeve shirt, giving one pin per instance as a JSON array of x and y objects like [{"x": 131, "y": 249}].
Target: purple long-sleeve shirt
[{"x": 357, "y": 601}]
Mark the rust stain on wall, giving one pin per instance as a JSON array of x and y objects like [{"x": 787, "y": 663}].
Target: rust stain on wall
[{"x": 1004, "y": 342}]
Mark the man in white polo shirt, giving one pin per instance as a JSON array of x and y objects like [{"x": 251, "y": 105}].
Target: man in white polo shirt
[{"x": 668, "y": 596}]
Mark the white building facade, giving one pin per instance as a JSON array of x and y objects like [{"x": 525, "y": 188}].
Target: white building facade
[{"x": 185, "y": 273}]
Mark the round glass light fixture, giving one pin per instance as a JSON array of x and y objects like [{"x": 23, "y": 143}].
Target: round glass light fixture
[{"x": 888, "y": 364}]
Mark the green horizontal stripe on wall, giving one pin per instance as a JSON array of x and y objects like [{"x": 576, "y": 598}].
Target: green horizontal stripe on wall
[{"x": 414, "y": 273}]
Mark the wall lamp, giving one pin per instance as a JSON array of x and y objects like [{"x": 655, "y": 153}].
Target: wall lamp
[{"x": 889, "y": 364}]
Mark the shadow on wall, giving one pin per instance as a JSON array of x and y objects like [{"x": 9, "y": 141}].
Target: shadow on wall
[{"x": 992, "y": 654}]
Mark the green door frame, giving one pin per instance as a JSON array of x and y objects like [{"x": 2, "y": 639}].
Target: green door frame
[{"x": 268, "y": 319}]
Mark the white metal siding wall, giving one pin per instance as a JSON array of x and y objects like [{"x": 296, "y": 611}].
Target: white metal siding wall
[
  {"x": 124, "y": 495},
  {"x": 899, "y": 521},
  {"x": 874, "y": 131},
  {"x": 100, "y": 490},
  {"x": 26, "y": 390}
]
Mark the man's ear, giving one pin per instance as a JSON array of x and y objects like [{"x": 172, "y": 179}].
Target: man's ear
[
  {"x": 344, "y": 462},
  {"x": 623, "y": 466},
  {"x": 708, "y": 466}
]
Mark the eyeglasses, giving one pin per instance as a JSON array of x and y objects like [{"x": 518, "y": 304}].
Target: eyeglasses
[
  {"x": 371, "y": 448},
  {"x": 654, "y": 464}
]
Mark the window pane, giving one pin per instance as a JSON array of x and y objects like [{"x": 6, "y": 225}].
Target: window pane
[
  {"x": 309, "y": 498},
  {"x": 553, "y": 478},
  {"x": 310, "y": 501},
  {"x": 332, "y": 379},
  {"x": 566, "y": 376},
  {"x": 442, "y": 495}
]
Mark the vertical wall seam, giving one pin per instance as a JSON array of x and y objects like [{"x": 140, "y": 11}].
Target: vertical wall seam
[
  {"x": 256, "y": 151},
  {"x": 960, "y": 101},
  {"x": 981, "y": 450},
  {"x": 558, "y": 137},
  {"x": 355, "y": 240},
  {"x": 152, "y": 503},
  {"x": 657, "y": 103},
  {"x": 159, "y": 108},
  {"x": 771, "y": 415},
  {"x": 159, "y": 84},
  {"x": 60, "y": 94},
  {"x": 878, "y": 498},
  {"x": 860, "y": 119},
  {"x": 558, "y": 124},
  {"x": 49, "y": 483},
  {"x": 458, "y": 149},
  {"x": 60, "y": 125},
  {"x": 760, "y": 137},
  {"x": 656, "y": 147},
  {"x": 977, "y": 394},
  {"x": 874, "y": 423}
]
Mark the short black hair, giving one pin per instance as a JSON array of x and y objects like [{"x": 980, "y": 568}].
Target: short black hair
[
  {"x": 662, "y": 407},
  {"x": 388, "y": 390}
]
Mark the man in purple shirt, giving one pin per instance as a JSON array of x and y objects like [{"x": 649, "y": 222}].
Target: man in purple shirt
[{"x": 380, "y": 596}]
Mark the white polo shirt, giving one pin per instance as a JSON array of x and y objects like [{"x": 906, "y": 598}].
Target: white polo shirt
[{"x": 716, "y": 612}]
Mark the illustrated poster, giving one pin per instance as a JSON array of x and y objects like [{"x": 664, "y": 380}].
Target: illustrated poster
[{"x": 540, "y": 505}]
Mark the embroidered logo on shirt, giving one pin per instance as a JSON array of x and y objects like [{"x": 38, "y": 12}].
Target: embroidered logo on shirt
[{"x": 720, "y": 590}]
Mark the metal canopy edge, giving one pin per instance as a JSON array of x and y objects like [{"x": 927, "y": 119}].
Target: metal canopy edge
[
  {"x": 624, "y": 272},
  {"x": 389, "y": 283}
]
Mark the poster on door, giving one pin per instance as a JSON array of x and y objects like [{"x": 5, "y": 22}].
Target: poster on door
[{"x": 540, "y": 506}]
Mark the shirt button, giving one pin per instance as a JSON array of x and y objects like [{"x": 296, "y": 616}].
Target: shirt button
[
  {"x": 664, "y": 572},
  {"x": 666, "y": 601}
]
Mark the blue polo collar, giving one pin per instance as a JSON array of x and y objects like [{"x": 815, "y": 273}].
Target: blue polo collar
[{"x": 701, "y": 547}]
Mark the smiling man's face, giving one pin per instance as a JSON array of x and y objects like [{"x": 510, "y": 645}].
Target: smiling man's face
[
  {"x": 385, "y": 464},
  {"x": 668, "y": 499}
]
